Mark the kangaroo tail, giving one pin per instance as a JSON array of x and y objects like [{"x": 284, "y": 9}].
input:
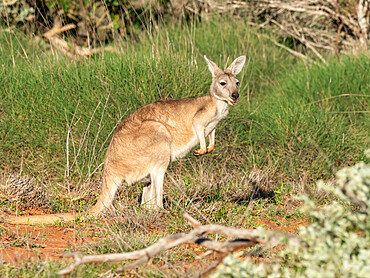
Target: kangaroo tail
[{"x": 43, "y": 219}]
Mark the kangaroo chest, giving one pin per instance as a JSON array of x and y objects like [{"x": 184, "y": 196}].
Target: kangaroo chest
[
  {"x": 221, "y": 112},
  {"x": 187, "y": 138}
]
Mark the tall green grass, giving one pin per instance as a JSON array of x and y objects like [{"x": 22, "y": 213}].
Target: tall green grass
[
  {"x": 312, "y": 120},
  {"x": 44, "y": 97},
  {"x": 294, "y": 123},
  {"x": 58, "y": 114}
]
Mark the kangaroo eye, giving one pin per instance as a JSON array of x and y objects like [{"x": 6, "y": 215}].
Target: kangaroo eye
[
  {"x": 237, "y": 83},
  {"x": 222, "y": 83}
]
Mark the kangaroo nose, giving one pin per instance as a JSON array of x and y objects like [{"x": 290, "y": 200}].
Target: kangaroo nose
[{"x": 235, "y": 95}]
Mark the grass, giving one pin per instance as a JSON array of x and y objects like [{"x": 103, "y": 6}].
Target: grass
[
  {"x": 44, "y": 97},
  {"x": 295, "y": 123},
  {"x": 314, "y": 120}
]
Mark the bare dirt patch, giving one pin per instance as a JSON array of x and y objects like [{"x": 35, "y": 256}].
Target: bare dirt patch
[
  {"x": 283, "y": 225},
  {"x": 22, "y": 242}
]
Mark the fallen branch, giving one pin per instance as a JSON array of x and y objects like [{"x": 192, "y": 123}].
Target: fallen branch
[
  {"x": 321, "y": 25},
  {"x": 69, "y": 49},
  {"x": 241, "y": 238},
  {"x": 58, "y": 29},
  {"x": 291, "y": 51},
  {"x": 302, "y": 39},
  {"x": 5, "y": 3},
  {"x": 75, "y": 50},
  {"x": 362, "y": 11}
]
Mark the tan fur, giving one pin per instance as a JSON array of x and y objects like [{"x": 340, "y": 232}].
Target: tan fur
[{"x": 147, "y": 140}]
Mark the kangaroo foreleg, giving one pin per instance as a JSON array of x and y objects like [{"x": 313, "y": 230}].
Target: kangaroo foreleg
[
  {"x": 199, "y": 130},
  {"x": 211, "y": 138}
]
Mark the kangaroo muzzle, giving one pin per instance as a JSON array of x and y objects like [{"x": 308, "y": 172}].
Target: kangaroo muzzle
[{"x": 235, "y": 97}]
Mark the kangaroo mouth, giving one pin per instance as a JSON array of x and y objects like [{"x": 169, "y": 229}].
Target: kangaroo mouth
[
  {"x": 232, "y": 101},
  {"x": 228, "y": 100}
]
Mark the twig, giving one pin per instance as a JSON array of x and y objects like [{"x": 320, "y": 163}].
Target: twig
[
  {"x": 69, "y": 49},
  {"x": 5, "y": 3},
  {"x": 362, "y": 11},
  {"x": 316, "y": 20},
  {"x": 349, "y": 112},
  {"x": 242, "y": 238},
  {"x": 57, "y": 30},
  {"x": 192, "y": 221},
  {"x": 291, "y": 51},
  {"x": 302, "y": 39}
]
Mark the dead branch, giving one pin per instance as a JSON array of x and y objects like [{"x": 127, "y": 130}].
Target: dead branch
[
  {"x": 320, "y": 25},
  {"x": 5, "y": 3},
  {"x": 241, "y": 238},
  {"x": 300, "y": 37},
  {"x": 70, "y": 49},
  {"x": 57, "y": 29},
  {"x": 362, "y": 14}
]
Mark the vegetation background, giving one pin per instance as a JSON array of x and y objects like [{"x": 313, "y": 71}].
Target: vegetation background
[{"x": 72, "y": 70}]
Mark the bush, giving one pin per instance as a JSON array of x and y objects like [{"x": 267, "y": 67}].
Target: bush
[
  {"x": 95, "y": 22},
  {"x": 335, "y": 244}
]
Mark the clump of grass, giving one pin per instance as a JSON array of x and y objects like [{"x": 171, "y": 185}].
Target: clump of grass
[
  {"x": 21, "y": 192},
  {"x": 314, "y": 120},
  {"x": 58, "y": 115}
]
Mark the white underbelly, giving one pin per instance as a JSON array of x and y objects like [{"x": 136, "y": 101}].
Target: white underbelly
[{"x": 181, "y": 151}]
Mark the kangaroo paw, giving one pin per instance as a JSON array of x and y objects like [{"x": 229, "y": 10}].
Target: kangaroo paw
[
  {"x": 199, "y": 152},
  {"x": 210, "y": 149}
]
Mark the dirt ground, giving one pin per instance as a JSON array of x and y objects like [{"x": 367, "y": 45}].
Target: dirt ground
[{"x": 23, "y": 242}]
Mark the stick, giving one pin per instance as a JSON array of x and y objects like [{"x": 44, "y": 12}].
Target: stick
[{"x": 242, "y": 238}]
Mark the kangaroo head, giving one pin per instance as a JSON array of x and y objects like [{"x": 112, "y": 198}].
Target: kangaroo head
[{"x": 224, "y": 85}]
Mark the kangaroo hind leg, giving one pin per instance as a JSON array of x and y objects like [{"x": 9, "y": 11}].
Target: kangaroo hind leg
[
  {"x": 160, "y": 153},
  {"x": 153, "y": 193}
]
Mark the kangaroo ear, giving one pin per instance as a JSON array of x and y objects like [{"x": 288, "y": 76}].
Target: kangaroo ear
[
  {"x": 237, "y": 65},
  {"x": 213, "y": 68}
]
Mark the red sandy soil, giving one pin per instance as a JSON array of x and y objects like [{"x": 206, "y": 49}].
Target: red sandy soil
[
  {"x": 23, "y": 242},
  {"x": 285, "y": 225}
]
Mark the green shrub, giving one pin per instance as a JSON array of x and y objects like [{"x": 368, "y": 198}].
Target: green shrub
[{"x": 335, "y": 244}]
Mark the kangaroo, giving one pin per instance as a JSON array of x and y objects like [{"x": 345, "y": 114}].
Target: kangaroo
[{"x": 148, "y": 139}]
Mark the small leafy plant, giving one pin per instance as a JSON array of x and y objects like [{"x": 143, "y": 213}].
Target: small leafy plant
[{"x": 335, "y": 244}]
